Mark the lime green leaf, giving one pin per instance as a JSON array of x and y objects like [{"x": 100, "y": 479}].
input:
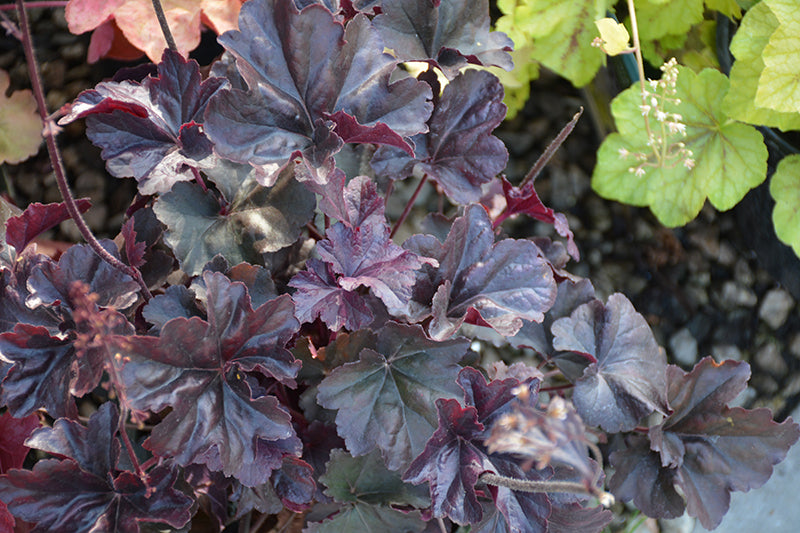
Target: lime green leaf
[
  {"x": 559, "y": 34},
  {"x": 747, "y": 46},
  {"x": 729, "y": 8},
  {"x": 785, "y": 189},
  {"x": 779, "y": 86},
  {"x": 730, "y": 158},
  {"x": 20, "y": 125},
  {"x": 660, "y": 18},
  {"x": 614, "y": 35}
]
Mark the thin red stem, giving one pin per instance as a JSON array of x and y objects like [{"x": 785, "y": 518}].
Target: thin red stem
[
  {"x": 55, "y": 157},
  {"x": 409, "y": 205},
  {"x": 551, "y": 149},
  {"x": 123, "y": 416}
]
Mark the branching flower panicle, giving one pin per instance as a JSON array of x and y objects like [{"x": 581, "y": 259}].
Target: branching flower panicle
[{"x": 658, "y": 100}]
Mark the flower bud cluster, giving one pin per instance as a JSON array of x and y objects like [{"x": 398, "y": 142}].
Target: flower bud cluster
[{"x": 665, "y": 150}]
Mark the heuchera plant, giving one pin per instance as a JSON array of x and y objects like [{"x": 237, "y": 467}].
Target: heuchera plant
[
  {"x": 699, "y": 142},
  {"x": 261, "y": 349}
]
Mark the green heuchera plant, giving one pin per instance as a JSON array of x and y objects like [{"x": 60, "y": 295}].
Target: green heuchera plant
[{"x": 672, "y": 151}]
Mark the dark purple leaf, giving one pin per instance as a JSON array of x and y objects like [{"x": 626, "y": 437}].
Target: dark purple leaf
[
  {"x": 319, "y": 296},
  {"x": 505, "y": 282},
  {"x": 448, "y": 34},
  {"x": 149, "y": 130},
  {"x": 248, "y": 221},
  {"x": 524, "y": 511},
  {"x": 134, "y": 251},
  {"x": 639, "y": 476},
  {"x": 199, "y": 369},
  {"x": 350, "y": 131},
  {"x": 452, "y": 464},
  {"x": 60, "y": 497},
  {"x": 13, "y": 432},
  {"x": 84, "y": 492},
  {"x": 36, "y": 219},
  {"x": 459, "y": 152},
  {"x": 211, "y": 490},
  {"x": 626, "y": 379},
  {"x": 576, "y": 519},
  {"x": 94, "y": 448},
  {"x": 177, "y": 301},
  {"x": 386, "y": 399},
  {"x": 537, "y": 335},
  {"x": 366, "y": 479},
  {"x": 301, "y": 67},
  {"x": 56, "y": 495},
  {"x": 258, "y": 281},
  {"x": 492, "y": 399},
  {"x": 42, "y": 372},
  {"x": 713, "y": 448},
  {"x": 364, "y": 256},
  {"x": 354, "y": 204},
  {"x": 527, "y": 201},
  {"x": 14, "y": 294},
  {"x": 294, "y": 484},
  {"x": 351, "y": 258},
  {"x": 51, "y": 283}
]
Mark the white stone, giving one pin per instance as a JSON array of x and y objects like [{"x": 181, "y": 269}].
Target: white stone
[{"x": 775, "y": 308}]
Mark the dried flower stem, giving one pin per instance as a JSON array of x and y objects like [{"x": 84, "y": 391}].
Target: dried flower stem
[
  {"x": 50, "y": 129},
  {"x": 527, "y": 485}
]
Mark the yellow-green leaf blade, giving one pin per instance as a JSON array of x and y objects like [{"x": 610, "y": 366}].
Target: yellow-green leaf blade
[
  {"x": 785, "y": 189},
  {"x": 729, "y": 158},
  {"x": 748, "y": 45},
  {"x": 20, "y": 125},
  {"x": 559, "y": 34},
  {"x": 779, "y": 85}
]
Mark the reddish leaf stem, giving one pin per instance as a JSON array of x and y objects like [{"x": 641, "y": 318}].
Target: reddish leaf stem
[
  {"x": 162, "y": 21},
  {"x": 123, "y": 416},
  {"x": 409, "y": 205},
  {"x": 50, "y": 129},
  {"x": 551, "y": 149}
]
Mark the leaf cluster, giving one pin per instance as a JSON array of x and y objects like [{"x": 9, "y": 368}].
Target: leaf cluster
[{"x": 295, "y": 359}]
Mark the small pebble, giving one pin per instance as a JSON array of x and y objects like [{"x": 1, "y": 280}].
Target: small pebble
[
  {"x": 734, "y": 294},
  {"x": 683, "y": 347},
  {"x": 794, "y": 346},
  {"x": 769, "y": 358},
  {"x": 775, "y": 308}
]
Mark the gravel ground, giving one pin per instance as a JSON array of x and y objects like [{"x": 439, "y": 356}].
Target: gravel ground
[{"x": 703, "y": 288}]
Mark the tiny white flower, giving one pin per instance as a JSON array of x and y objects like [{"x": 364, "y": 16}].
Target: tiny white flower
[
  {"x": 623, "y": 153},
  {"x": 688, "y": 163},
  {"x": 661, "y": 116},
  {"x": 639, "y": 172}
]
